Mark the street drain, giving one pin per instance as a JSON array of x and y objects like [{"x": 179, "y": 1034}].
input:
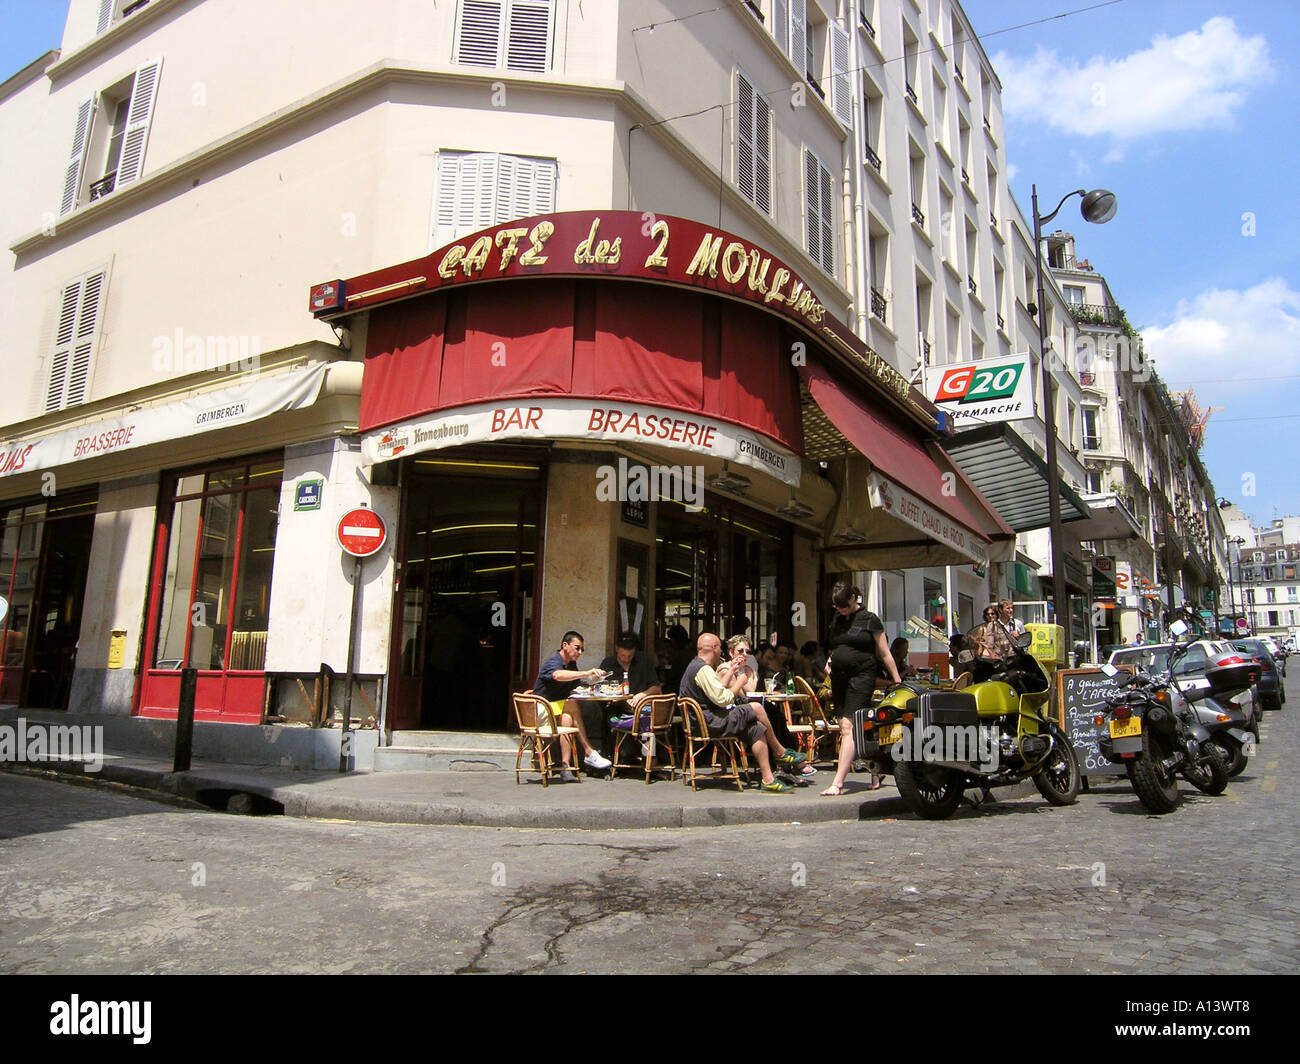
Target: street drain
[{"x": 241, "y": 803}]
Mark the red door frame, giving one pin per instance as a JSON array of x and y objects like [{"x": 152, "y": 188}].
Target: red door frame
[{"x": 231, "y": 696}]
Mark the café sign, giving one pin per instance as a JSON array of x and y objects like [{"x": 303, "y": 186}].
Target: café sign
[{"x": 619, "y": 244}]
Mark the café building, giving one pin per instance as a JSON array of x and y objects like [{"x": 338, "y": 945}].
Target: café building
[{"x": 612, "y": 421}]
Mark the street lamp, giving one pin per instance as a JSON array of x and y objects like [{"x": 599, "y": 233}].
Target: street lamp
[
  {"x": 1238, "y": 542},
  {"x": 1098, "y": 206}
]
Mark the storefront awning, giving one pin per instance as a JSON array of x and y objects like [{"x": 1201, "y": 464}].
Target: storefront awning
[
  {"x": 1012, "y": 477},
  {"x": 901, "y": 505},
  {"x": 254, "y": 398}
]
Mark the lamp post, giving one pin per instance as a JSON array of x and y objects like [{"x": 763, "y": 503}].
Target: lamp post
[
  {"x": 1098, "y": 206},
  {"x": 1235, "y": 541}
]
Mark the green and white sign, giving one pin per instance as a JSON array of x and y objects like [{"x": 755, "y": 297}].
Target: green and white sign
[{"x": 977, "y": 393}]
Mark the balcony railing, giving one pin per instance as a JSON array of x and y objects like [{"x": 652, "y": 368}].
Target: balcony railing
[
  {"x": 965, "y": 177},
  {"x": 866, "y": 25},
  {"x": 970, "y": 283},
  {"x": 917, "y": 216},
  {"x": 957, "y": 71},
  {"x": 873, "y": 158},
  {"x": 1002, "y": 322},
  {"x": 879, "y": 305},
  {"x": 103, "y": 186},
  {"x": 1095, "y": 314},
  {"x": 911, "y": 93},
  {"x": 1091, "y": 443}
]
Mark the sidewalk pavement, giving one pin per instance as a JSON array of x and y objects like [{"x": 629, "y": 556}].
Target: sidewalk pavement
[{"x": 491, "y": 798}]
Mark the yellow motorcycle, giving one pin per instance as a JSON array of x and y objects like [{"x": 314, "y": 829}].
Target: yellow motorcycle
[{"x": 996, "y": 733}]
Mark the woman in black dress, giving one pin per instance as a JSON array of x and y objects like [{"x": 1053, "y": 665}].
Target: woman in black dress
[{"x": 859, "y": 653}]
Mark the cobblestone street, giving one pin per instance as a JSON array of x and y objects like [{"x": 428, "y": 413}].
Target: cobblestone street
[{"x": 97, "y": 881}]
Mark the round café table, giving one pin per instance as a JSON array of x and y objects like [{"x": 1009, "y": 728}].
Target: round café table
[
  {"x": 783, "y": 701},
  {"x": 598, "y": 696}
]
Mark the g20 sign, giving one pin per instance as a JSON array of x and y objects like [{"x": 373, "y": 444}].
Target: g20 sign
[{"x": 990, "y": 390}]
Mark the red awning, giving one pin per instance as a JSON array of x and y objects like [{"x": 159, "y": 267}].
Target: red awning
[{"x": 896, "y": 453}]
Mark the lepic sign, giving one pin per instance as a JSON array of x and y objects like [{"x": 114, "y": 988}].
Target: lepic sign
[
  {"x": 582, "y": 419},
  {"x": 361, "y": 533},
  {"x": 977, "y": 393}
]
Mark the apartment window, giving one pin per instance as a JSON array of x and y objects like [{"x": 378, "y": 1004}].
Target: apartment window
[
  {"x": 873, "y": 111},
  {"x": 109, "y": 138},
  {"x": 1270, "y": 594},
  {"x": 999, "y": 293},
  {"x": 1280, "y": 556},
  {"x": 954, "y": 335},
  {"x": 514, "y": 34},
  {"x": 753, "y": 144},
  {"x": 819, "y": 198},
  {"x": 111, "y": 11},
  {"x": 947, "y": 225},
  {"x": 940, "y": 96},
  {"x": 1093, "y": 479},
  {"x": 481, "y": 189},
  {"x": 878, "y": 261},
  {"x": 993, "y": 195},
  {"x": 911, "y": 53},
  {"x": 1091, "y": 436},
  {"x": 76, "y": 336},
  {"x": 924, "y": 298},
  {"x": 1293, "y": 594},
  {"x": 1073, "y": 294},
  {"x": 916, "y": 172}
]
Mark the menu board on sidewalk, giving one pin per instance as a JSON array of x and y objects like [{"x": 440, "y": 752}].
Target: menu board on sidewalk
[{"x": 1079, "y": 696}]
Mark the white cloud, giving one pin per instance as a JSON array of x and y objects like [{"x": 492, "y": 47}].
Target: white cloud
[
  {"x": 1196, "y": 80},
  {"x": 1013, "y": 171},
  {"x": 1231, "y": 337}
]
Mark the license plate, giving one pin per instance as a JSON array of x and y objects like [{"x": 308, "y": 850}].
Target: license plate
[
  {"x": 890, "y": 733},
  {"x": 1122, "y": 729}
]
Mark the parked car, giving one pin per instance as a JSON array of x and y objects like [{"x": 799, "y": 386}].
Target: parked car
[
  {"x": 1272, "y": 689},
  {"x": 1190, "y": 668}
]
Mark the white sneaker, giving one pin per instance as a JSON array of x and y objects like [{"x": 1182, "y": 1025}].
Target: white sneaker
[
  {"x": 568, "y": 777},
  {"x": 595, "y": 760}
]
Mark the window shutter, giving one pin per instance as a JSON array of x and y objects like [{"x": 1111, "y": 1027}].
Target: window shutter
[
  {"x": 745, "y": 137},
  {"x": 762, "y": 154},
  {"x": 74, "y": 341},
  {"x": 828, "y": 213},
  {"x": 812, "y": 205},
  {"x": 781, "y": 24},
  {"x": 77, "y": 160},
  {"x": 525, "y": 187},
  {"x": 528, "y": 36},
  {"x": 478, "y": 32},
  {"x": 138, "y": 119},
  {"x": 799, "y": 35},
  {"x": 841, "y": 80},
  {"x": 105, "y": 15}
]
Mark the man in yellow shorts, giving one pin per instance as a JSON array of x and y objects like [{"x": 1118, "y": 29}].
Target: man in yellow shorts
[{"x": 555, "y": 683}]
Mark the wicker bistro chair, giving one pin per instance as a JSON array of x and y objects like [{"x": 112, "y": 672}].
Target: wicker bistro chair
[
  {"x": 803, "y": 732},
  {"x": 651, "y": 725},
  {"x": 538, "y": 728},
  {"x": 698, "y": 741},
  {"x": 824, "y": 729}
]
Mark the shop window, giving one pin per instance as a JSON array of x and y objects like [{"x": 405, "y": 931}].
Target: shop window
[
  {"x": 477, "y": 190},
  {"x": 216, "y": 587},
  {"x": 819, "y": 229},
  {"x": 514, "y": 34},
  {"x": 76, "y": 336},
  {"x": 753, "y": 144},
  {"x": 109, "y": 138}
]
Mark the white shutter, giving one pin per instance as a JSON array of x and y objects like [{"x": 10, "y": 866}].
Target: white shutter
[
  {"x": 812, "y": 205},
  {"x": 828, "y": 213},
  {"x": 83, "y": 347},
  {"x": 745, "y": 137},
  {"x": 525, "y": 187},
  {"x": 528, "y": 35},
  {"x": 781, "y": 24},
  {"x": 144, "y": 90},
  {"x": 841, "y": 80},
  {"x": 77, "y": 159},
  {"x": 479, "y": 32},
  {"x": 799, "y": 35},
  {"x": 74, "y": 341},
  {"x": 762, "y": 154},
  {"x": 105, "y": 16}
]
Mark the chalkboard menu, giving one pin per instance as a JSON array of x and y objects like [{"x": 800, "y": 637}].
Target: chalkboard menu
[{"x": 1080, "y": 695}]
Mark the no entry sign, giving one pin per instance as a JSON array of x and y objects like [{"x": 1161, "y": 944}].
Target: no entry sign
[{"x": 361, "y": 533}]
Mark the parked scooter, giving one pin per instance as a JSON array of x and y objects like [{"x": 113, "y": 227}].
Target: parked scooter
[
  {"x": 938, "y": 743},
  {"x": 1228, "y": 728},
  {"x": 1153, "y": 730}
]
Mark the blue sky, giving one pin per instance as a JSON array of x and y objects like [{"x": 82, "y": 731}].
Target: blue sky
[{"x": 1187, "y": 110}]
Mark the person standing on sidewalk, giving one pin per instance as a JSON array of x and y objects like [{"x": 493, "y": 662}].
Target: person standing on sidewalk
[{"x": 859, "y": 653}]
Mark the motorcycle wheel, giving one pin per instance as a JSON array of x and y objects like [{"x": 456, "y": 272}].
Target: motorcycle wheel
[
  {"x": 1211, "y": 775},
  {"x": 1156, "y": 787},
  {"x": 1233, "y": 753},
  {"x": 931, "y": 793},
  {"x": 1058, "y": 780}
]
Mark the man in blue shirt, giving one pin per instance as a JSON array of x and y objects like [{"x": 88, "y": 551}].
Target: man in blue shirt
[{"x": 555, "y": 683}]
